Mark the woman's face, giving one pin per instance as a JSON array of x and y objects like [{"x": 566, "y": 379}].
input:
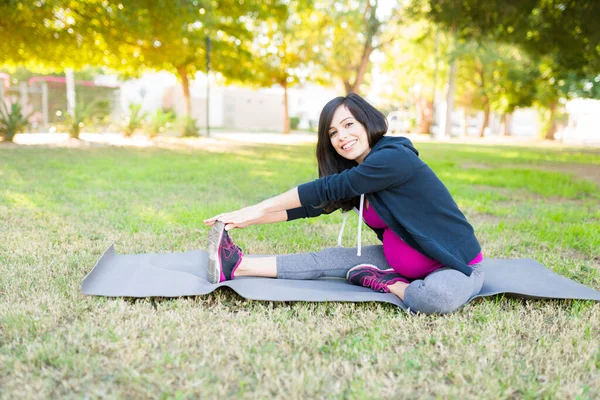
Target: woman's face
[{"x": 348, "y": 136}]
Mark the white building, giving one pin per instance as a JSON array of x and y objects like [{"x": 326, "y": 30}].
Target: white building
[{"x": 230, "y": 107}]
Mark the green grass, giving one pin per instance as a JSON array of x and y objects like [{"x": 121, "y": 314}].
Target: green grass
[{"x": 60, "y": 208}]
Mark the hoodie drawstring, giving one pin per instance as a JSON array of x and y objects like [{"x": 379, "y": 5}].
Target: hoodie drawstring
[
  {"x": 360, "y": 217},
  {"x": 360, "y": 220},
  {"x": 342, "y": 230}
]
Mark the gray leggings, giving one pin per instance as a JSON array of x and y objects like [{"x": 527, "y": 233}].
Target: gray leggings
[{"x": 442, "y": 291}]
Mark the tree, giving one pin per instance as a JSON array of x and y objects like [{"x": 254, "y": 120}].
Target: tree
[
  {"x": 286, "y": 50},
  {"x": 518, "y": 86},
  {"x": 562, "y": 34},
  {"x": 552, "y": 86},
  {"x": 171, "y": 35},
  {"x": 566, "y": 30},
  {"x": 355, "y": 30},
  {"x": 414, "y": 71},
  {"x": 131, "y": 36},
  {"x": 45, "y": 36},
  {"x": 495, "y": 77}
]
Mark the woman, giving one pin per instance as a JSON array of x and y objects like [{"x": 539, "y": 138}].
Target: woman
[{"x": 429, "y": 257}]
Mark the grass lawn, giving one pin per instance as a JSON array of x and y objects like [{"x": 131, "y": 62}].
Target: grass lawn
[{"x": 60, "y": 208}]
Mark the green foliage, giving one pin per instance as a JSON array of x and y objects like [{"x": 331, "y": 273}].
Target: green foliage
[
  {"x": 188, "y": 127},
  {"x": 283, "y": 45},
  {"x": 159, "y": 122},
  {"x": 163, "y": 35},
  {"x": 134, "y": 120},
  {"x": 494, "y": 75},
  {"x": 50, "y": 35},
  {"x": 12, "y": 121},
  {"x": 85, "y": 114},
  {"x": 294, "y": 122},
  {"x": 564, "y": 32},
  {"x": 353, "y": 30},
  {"x": 412, "y": 59}
]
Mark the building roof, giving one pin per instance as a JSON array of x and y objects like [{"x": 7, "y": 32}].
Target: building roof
[{"x": 58, "y": 79}]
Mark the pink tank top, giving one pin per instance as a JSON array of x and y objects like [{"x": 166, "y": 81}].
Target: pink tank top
[{"x": 403, "y": 258}]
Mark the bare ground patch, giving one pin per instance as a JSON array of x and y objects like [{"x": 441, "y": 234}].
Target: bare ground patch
[
  {"x": 517, "y": 197},
  {"x": 589, "y": 172}
]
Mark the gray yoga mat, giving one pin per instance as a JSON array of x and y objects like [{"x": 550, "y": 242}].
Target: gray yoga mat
[{"x": 184, "y": 274}]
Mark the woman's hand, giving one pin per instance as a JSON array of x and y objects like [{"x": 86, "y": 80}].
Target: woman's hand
[
  {"x": 238, "y": 219},
  {"x": 265, "y": 212}
]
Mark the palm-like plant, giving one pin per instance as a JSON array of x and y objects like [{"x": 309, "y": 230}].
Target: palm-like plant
[
  {"x": 12, "y": 121},
  {"x": 159, "y": 121},
  {"x": 134, "y": 120},
  {"x": 84, "y": 114}
]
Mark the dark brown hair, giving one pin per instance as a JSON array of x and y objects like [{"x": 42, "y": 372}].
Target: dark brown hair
[{"x": 330, "y": 162}]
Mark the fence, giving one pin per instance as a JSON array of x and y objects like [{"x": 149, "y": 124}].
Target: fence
[{"x": 44, "y": 98}]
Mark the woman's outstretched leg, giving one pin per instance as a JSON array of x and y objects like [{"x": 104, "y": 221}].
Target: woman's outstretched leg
[
  {"x": 370, "y": 269},
  {"x": 265, "y": 267},
  {"x": 331, "y": 262},
  {"x": 226, "y": 261}
]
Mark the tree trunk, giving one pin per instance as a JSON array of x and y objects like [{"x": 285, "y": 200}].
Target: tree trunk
[
  {"x": 505, "y": 124},
  {"x": 360, "y": 71},
  {"x": 373, "y": 25},
  {"x": 362, "y": 68},
  {"x": 435, "y": 76},
  {"x": 70, "y": 84},
  {"x": 552, "y": 123},
  {"x": 286, "y": 117},
  {"x": 466, "y": 122},
  {"x": 424, "y": 114},
  {"x": 185, "y": 84},
  {"x": 347, "y": 86},
  {"x": 447, "y": 128},
  {"x": 486, "y": 117}
]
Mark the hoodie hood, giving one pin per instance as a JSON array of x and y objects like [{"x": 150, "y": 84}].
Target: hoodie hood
[
  {"x": 408, "y": 144},
  {"x": 395, "y": 141}
]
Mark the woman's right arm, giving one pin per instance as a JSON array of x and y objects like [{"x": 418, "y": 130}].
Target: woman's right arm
[
  {"x": 272, "y": 217},
  {"x": 259, "y": 212}
]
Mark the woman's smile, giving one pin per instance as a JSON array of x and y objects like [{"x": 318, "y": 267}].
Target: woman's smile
[{"x": 348, "y": 146}]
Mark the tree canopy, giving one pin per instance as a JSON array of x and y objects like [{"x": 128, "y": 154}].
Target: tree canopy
[{"x": 565, "y": 30}]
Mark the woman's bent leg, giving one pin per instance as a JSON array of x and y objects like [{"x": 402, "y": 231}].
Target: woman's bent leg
[
  {"x": 331, "y": 262},
  {"x": 443, "y": 291}
]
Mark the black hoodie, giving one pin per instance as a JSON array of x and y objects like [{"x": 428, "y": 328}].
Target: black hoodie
[{"x": 407, "y": 195}]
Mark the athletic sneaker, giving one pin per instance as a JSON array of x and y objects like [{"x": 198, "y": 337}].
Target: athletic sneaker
[
  {"x": 370, "y": 276},
  {"x": 223, "y": 255}
]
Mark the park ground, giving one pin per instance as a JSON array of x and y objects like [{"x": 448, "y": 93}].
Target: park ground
[{"x": 62, "y": 204}]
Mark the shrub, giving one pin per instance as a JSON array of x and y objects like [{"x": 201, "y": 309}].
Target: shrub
[
  {"x": 85, "y": 114},
  {"x": 159, "y": 121},
  {"x": 189, "y": 127},
  {"x": 12, "y": 121},
  {"x": 134, "y": 120},
  {"x": 294, "y": 122}
]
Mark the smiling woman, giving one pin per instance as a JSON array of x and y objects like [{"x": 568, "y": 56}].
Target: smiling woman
[{"x": 429, "y": 256}]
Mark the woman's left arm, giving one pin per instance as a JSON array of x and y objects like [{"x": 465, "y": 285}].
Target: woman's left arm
[{"x": 259, "y": 213}]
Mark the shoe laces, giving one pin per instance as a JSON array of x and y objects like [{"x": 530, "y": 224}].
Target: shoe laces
[
  {"x": 230, "y": 248},
  {"x": 375, "y": 284}
]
